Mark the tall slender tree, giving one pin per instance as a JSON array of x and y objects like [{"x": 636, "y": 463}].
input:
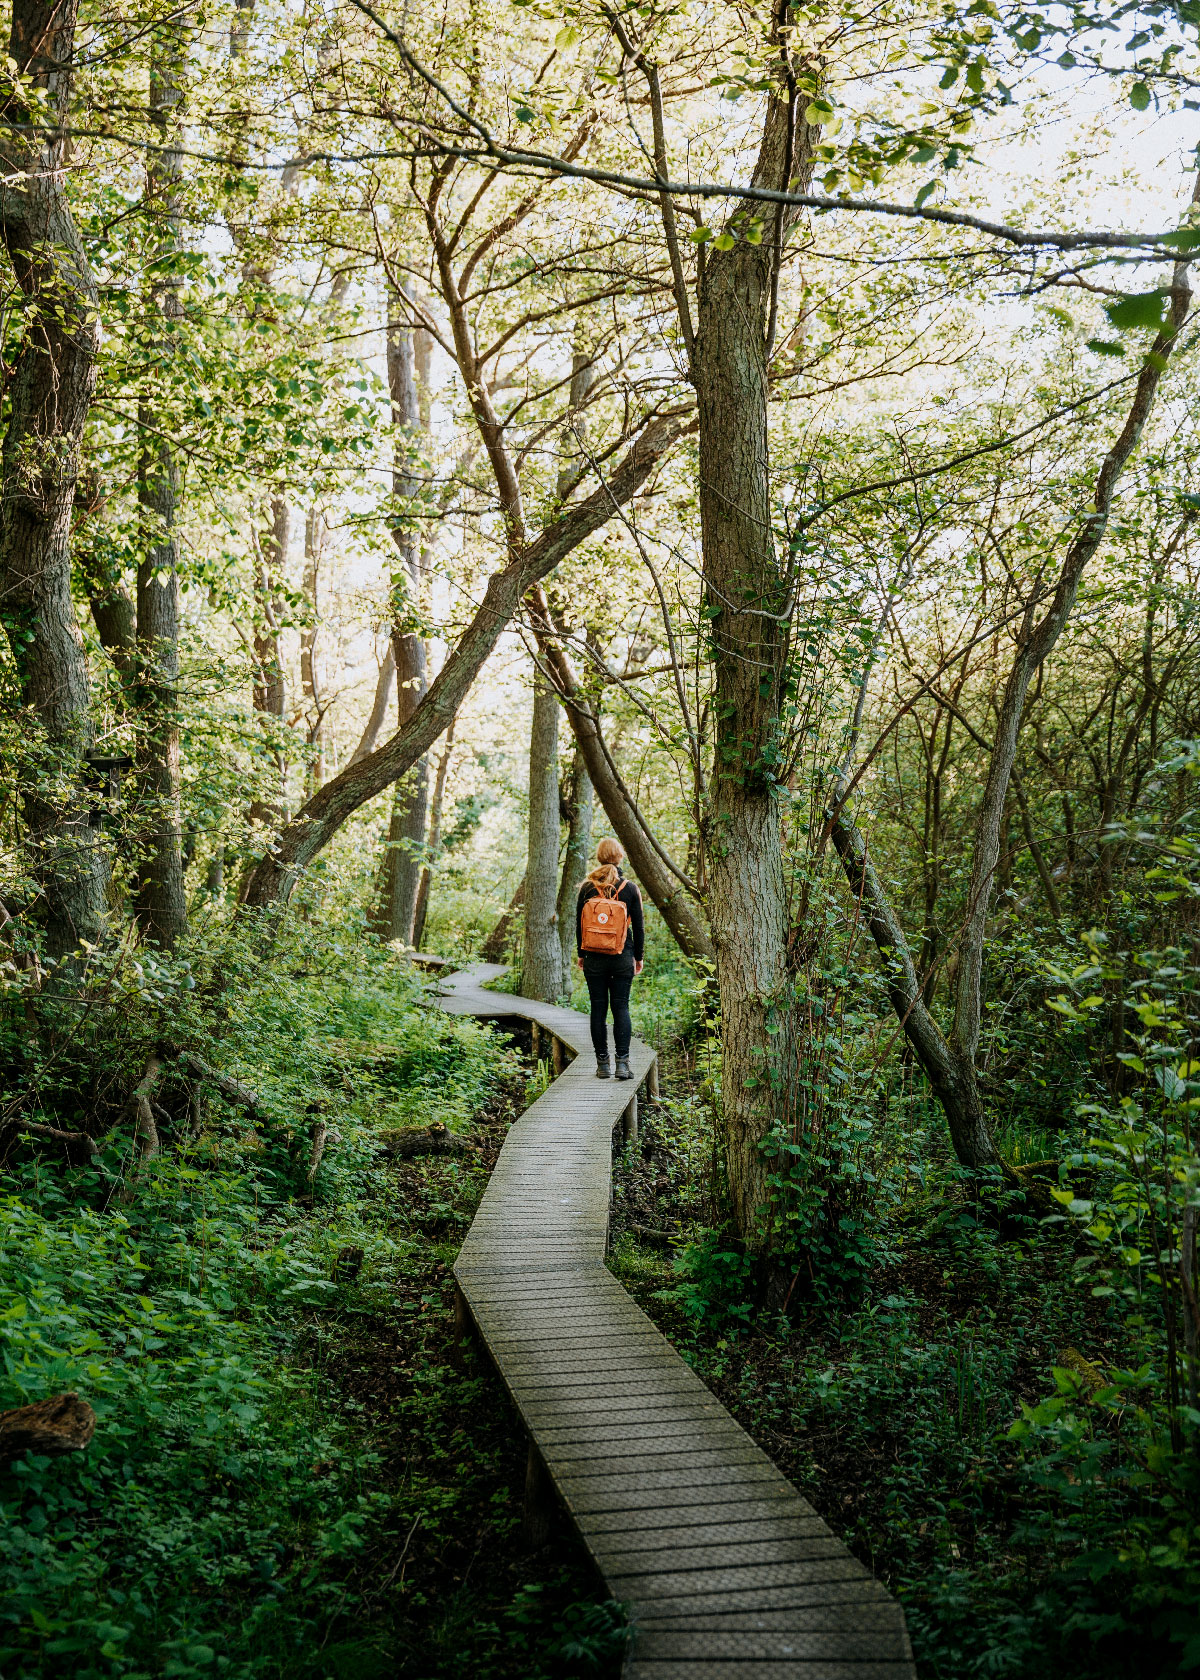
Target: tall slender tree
[
  {"x": 542, "y": 966},
  {"x": 410, "y": 797},
  {"x": 161, "y": 904}
]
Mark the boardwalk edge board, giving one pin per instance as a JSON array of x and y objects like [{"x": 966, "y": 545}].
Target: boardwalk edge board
[{"x": 722, "y": 1567}]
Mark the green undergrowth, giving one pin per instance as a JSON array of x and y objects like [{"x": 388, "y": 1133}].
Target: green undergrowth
[
  {"x": 977, "y": 1427},
  {"x": 295, "y": 1471}
]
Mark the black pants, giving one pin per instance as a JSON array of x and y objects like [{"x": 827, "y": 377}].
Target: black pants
[{"x": 607, "y": 988}]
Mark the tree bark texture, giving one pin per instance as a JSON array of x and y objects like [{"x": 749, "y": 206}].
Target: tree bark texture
[
  {"x": 49, "y": 394},
  {"x": 497, "y": 944},
  {"x": 369, "y": 739},
  {"x": 160, "y": 901},
  {"x": 747, "y": 598},
  {"x": 436, "y": 808},
  {"x": 314, "y": 532},
  {"x": 954, "y": 1083},
  {"x": 576, "y": 857},
  {"x": 541, "y": 969},
  {"x": 301, "y": 841},
  {"x": 410, "y": 800},
  {"x": 268, "y": 696},
  {"x": 62, "y": 1423}
]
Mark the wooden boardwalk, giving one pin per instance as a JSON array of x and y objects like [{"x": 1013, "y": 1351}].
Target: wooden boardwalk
[{"x": 724, "y": 1569}]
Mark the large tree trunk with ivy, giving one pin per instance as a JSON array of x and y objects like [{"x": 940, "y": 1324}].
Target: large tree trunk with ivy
[
  {"x": 541, "y": 968},
  {"x": 161, "y": 903},
  {"x": 746, "y": 600},
  {"x": 48, "y": 397}
]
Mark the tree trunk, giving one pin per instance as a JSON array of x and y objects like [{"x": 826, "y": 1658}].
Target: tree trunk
[
  {"x": 49, "y": 392},
  {"x": 747, "y": 600},
  {"x": 576, "y": 857},
  {"x": 953, "y": 1080},
  {"x": 369, "y": 739},
  {"x": 295, "y": 847},
  {"x": 435, "y": 837},
  {"x": 160, "y": 901},
  {"x": 269, "y": 697},
  {"x": 496, "y": 945},
  {"x": 541, "y": 970},
  {"x": 314, "y": 528},
  {"x": 410, "y": 800}
]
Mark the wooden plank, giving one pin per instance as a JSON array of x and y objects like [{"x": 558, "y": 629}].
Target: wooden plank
[
  {"x": 650, "y": 1668},
  {"x": 824, "y": 1618},
  {"x": 708, "y": 1584},
  {"x": 733, "y": 1501},
  {"x": 613, "y": 1485},
  {"x": 850, "y": 1597},
  {"x": 771, "y": 1645},
  {"x": 717, "y": 1531}
]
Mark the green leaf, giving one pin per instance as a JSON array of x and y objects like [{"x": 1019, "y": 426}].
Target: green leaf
[
  {"x": 566, "y": 37},
  {"x": 924, "y": 193},
  {"x": 949, "y": 76},
  {"x": 1139, "y": 96},
  {"x": 524, "y": 114},
  {"x": 1100, "y": 347},
  {"x": 1137, "y": 310},
  {"x": 724, "y": 241},
  {"x": 700, "y": 235},
  {"x": 818, "y": 111},
  {"x": 975, "y": 75}
]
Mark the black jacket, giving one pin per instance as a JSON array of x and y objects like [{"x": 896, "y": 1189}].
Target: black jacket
[{"x": 635, "y": 939}]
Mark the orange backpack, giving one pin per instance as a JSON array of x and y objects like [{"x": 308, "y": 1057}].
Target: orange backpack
[{"x": 604, "y": 924}]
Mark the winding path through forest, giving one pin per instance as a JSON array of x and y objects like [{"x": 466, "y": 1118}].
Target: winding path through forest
[{"x": 724, "y": 1569}]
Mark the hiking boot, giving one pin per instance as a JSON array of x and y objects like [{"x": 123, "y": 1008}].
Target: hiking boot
[
  {"x": 624, "y": 1071},
  {"x": 603, "y": 1068}
]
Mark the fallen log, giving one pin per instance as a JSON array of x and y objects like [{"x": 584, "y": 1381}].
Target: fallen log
[
  {"x": 425, "y": 1140},
  {"x": 61, "y": 1424},
  {"x": 78, "y": 1147}
]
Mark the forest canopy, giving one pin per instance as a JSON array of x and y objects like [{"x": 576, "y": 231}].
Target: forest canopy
[{"x": 435, "y": 439}]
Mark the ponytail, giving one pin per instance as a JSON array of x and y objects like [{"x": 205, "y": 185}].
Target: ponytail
[{"x": 606, "y": 873}]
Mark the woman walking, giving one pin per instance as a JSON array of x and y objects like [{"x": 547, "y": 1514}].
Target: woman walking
[{"x": 610, "y": 939}]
